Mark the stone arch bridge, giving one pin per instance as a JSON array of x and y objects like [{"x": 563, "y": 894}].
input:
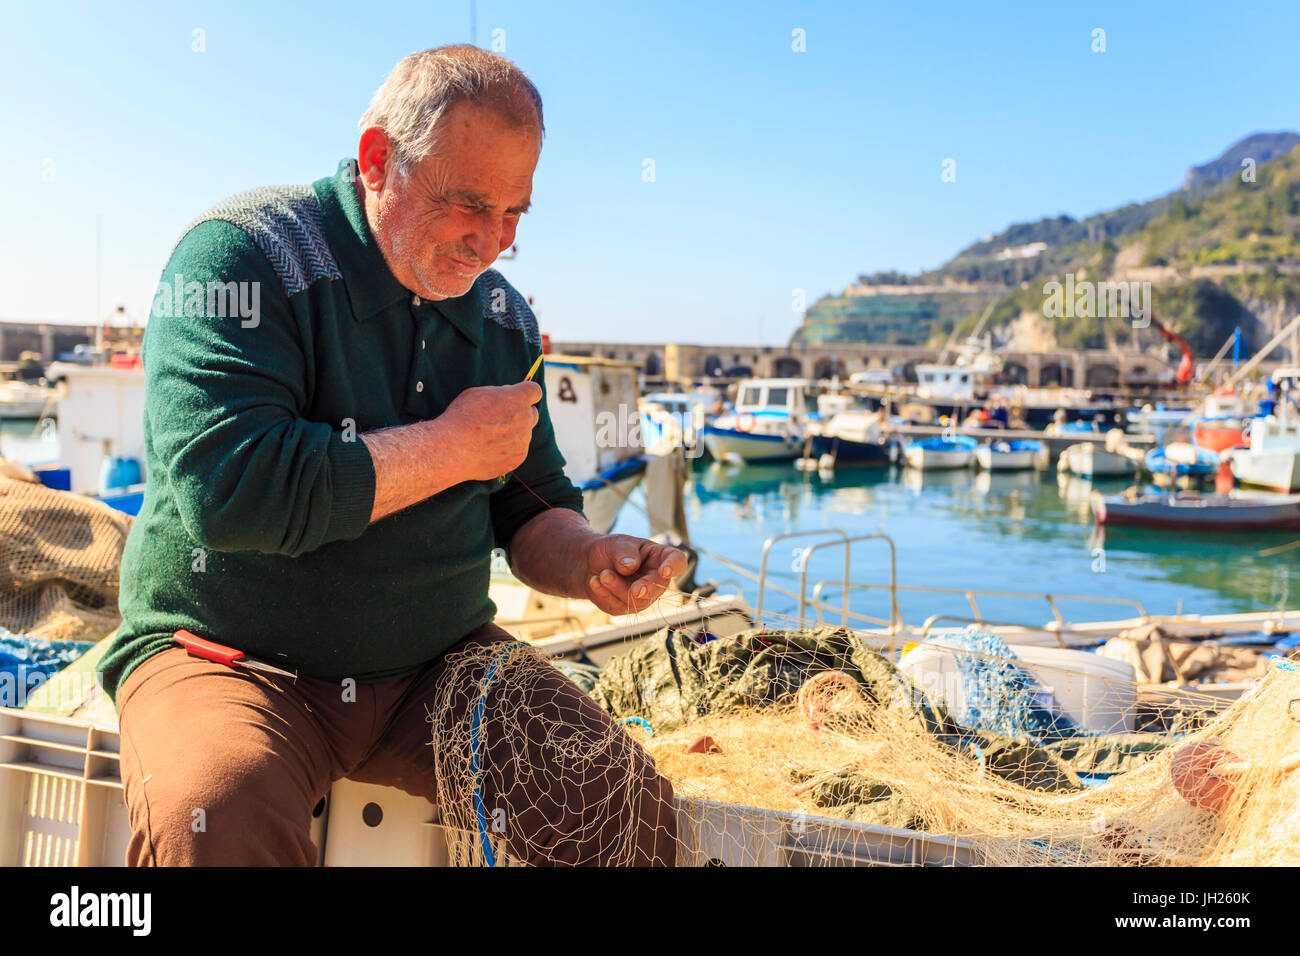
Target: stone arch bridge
[{"x": 1090, "y": 368}]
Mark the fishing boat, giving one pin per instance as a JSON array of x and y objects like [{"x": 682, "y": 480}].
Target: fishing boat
[
  {"x": 1155, "y": 419},
  {"x": 850, "y": 437},
  {"x": 1092, "y": 460},
  {"x": 1008, "y": 455},
  {"x": 767, "y": 423},
  {"x": 673, "y": 419},
  {"x": 1086, "y": 426},
  {"x": 1272, "y": 459},
  {"x": 25, "y": 400},
  {"x": 1218, "y": 433},
  {"x": 1190, "y": 511},
  {"x": 1181, "y": 460},
  {"x": 940, "y": 453}
]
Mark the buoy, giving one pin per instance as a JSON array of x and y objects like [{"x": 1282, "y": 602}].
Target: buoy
[
  {"x": 704, "y": 745},
  {"x": 1193, "y": 771}
]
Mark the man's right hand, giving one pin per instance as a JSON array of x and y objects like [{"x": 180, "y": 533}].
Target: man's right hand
[
  {"x": 488, "y": 428},
  {"x": 483, "y": 434}
]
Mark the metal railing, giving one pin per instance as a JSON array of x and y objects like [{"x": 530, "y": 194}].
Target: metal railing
[
  {"x": 1058, "y": 624},
  {"x": 896, "y": 619}
]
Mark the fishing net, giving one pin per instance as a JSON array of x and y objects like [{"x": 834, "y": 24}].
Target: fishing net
[
  {"x": 806, "y": 746},
  {"x": 59, "y": 560},
  {"x": 535, "y": 773}
]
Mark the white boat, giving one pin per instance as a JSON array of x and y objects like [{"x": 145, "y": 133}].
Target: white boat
[
  {"x": 593, "y": 407},
  {"x": 961, "y": 381},
  {"x": 1272, "y": 460},
  {"x": 768, "y": 422},
  {"x": 25, "y": 400},
  {"x": 940, "y": 453},
  {"x": 676, "y": 419},
  {"x": 1092, "y": 460},
  {"x": 1008, "y": 455}
]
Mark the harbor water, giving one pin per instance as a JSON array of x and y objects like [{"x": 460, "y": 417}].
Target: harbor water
[{"x": 1012, "y": 531}]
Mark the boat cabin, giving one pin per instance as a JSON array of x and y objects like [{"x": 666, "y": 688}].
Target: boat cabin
[
  {"x": 953, "y": 382},
  {"x": 775, "y": 397}
]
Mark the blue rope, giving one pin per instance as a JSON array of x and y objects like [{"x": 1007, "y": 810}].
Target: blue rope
[
  {"x": 638, "y": 720},
  {"x": 479, "y": 809},
  {"x": 1000, "y": 695}
]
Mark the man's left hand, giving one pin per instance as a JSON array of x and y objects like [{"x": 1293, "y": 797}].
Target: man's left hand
[{"x": 627, "y": 574}]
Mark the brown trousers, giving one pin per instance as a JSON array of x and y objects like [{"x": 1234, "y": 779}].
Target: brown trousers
[{"x": 255, "y": 753}]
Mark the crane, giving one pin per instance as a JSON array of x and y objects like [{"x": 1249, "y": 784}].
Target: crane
[{"x": 1187, "y": 365}]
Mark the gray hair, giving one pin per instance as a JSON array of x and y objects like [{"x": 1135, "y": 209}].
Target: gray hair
[{"x": 424, "y": 86}]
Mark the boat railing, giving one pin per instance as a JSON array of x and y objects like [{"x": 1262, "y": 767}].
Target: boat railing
[
  {"x": 801, "y": 563},
  {"x": 1059, "y": 624}
]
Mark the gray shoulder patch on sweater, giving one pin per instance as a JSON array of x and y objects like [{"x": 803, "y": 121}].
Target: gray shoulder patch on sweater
[
  {"x": 506, "y": 307},
  {"x": 285, "y": 223}
]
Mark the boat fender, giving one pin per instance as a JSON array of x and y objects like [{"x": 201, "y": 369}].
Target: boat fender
[{"x": 1193, "y": 772}]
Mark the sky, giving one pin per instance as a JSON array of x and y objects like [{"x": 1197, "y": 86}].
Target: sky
[{"x": 707, "y": 166}]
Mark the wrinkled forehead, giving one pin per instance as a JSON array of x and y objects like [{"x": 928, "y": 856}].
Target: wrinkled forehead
[{"x": 482, "y": 157}]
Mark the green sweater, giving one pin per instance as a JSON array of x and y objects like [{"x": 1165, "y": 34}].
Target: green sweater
[{"x": 277, "y": 337}]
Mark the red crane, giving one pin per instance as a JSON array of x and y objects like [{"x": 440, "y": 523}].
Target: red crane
[{"x": 1187, "y": 366}]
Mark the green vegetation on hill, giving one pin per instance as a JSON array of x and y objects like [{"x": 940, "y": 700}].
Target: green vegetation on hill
[
  {"x": 1248, "y": 233},
  {"x": 1220, "y": 254}
]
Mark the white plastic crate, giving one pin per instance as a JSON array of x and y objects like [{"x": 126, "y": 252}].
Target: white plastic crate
[
  {"x": 60, "y": 793},
  {"x": 61, "y": 800}
]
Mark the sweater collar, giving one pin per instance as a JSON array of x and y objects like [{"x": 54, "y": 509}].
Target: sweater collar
[{"x": 371, "y": 285}]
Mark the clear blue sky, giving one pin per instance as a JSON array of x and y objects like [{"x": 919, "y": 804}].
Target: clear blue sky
[{"x": 775, "y": 170}]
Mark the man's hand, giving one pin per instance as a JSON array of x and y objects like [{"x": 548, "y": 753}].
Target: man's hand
[
  {"x": 483, "y": 434},
  {"x": 627, "y": 574},
  {"x": 488, "y": 428}
]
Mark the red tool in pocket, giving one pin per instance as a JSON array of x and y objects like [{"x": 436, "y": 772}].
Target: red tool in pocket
[{"x": 220, "y": 654}]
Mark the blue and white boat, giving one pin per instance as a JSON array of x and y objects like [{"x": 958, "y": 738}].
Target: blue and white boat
[
  {"x": 1008, "y": 455},
  {"x": 768, "y": 422},
  {"x": 1182, "y": 460},
  {"x": 939, "y": 452}
]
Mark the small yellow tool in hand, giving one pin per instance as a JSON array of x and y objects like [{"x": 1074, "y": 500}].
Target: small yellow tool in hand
[{"x": 500, "y": 482}]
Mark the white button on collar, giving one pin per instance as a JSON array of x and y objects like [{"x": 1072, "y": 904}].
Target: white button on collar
[
  {"x": 415, "y": 300},
  {"x": 419, "y": 386}
]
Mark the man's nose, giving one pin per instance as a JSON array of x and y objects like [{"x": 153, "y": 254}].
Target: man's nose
[{"x": 485, "y": 240}]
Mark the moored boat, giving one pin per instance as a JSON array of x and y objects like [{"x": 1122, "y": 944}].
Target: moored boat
[
  {"x": 853, "y": 437},
  {"x": 1272, "y": 459},
  {"x": 1008, "y": 455},
  {"x": 767, "y": 424},
  {"x": 1190, "y": 511},
  {"x": 935, "y": 453},
  {"x": 1181, "y": 460},
  {"x": 1219, "y": 433},
  {"x": 1091, "y": 460}
]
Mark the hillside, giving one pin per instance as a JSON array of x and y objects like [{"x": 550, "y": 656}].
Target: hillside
[{"x": 1219, "y": 254}]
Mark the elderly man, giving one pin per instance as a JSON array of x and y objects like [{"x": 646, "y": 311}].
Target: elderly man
[{"x": 338, "y": 432}]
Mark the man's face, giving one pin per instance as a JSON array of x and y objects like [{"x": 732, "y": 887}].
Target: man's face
[{"x": 445, "y": 221}]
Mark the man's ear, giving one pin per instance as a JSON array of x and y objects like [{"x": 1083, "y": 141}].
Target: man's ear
[{"x": 374, "y": 158}]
